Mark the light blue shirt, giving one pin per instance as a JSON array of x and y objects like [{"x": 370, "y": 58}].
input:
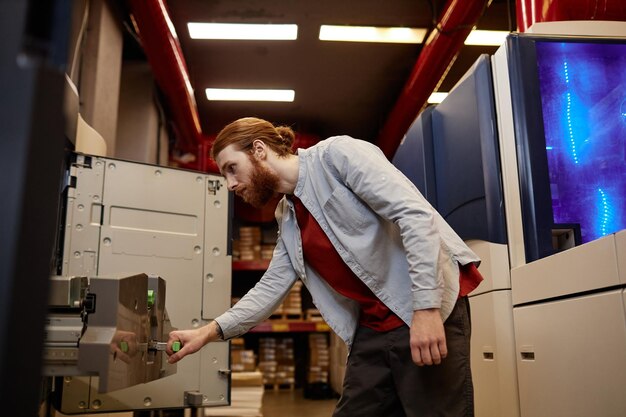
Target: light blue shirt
[{"x": 381, "y": 226}]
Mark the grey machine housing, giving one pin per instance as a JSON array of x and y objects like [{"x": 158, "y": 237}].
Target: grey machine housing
[
  {"x": 109, "y": 327},
  {"x": 128, "y": 228}
]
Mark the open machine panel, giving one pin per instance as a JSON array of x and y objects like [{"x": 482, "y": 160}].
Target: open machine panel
[{"x": 123, "y": 219}]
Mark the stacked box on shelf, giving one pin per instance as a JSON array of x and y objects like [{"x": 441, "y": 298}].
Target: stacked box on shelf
[
  {"x": 267, "y": 250},
  {"x": 319, "y": 359},
  {"x": 241, "y": 359},
  {"x": 285, "y": 373},
  {"x": 253, "y": 244},
  {"x": 249, "y": 243},
  {"x": 276, "y": 361},
  {"x": 338, "y": 359},
  {"x": 313, "y": 314},
  {"x": 267, "y": 359},
  {"x": 291, "y": 306},
  {"x": 237, "y": 343}
]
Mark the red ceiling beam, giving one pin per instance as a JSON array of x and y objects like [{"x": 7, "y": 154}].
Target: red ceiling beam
[
  {"x": 532, "y": 11},
  {"x": 162, "y": 49},
  {"x": 443, "y": 44}
]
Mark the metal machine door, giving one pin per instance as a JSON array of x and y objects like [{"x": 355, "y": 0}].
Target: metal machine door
[{"x": 125, "y": 217}]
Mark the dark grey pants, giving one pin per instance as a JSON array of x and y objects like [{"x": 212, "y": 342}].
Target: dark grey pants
[{"x": 382, "y": 380}]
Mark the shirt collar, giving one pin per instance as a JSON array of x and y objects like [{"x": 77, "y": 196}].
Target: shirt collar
[{"x": 302, "y": 174}]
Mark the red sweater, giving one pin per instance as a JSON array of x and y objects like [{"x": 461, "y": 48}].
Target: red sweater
[{"x": 322, "y": 256}]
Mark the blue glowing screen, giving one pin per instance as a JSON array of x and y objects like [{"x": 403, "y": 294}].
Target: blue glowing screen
[{"x": 583, "y": 97}]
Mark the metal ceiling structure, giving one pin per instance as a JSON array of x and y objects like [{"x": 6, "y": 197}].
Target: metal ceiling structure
[{"x": 340, "y": 87}]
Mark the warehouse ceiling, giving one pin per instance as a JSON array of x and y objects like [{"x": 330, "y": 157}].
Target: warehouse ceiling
[{"x": 340, "y": 87}]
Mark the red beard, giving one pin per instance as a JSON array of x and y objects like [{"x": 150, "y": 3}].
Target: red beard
[{"x": 263, "y": 185}]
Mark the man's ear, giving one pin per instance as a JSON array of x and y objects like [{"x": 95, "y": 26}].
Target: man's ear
[{"x": 259, "y": 149}]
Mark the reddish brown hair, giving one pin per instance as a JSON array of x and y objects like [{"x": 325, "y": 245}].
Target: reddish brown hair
[{"x": 243, "y": 132}]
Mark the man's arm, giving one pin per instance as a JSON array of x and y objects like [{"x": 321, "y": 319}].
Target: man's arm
[{"x": 256, "y": 306}]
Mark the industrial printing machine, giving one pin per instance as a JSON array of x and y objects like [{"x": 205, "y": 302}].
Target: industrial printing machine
[{"x": 126, "y": 230}]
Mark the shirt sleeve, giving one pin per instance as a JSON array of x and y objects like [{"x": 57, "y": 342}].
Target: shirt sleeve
[
  {"x": 365, "y": 170},
  {"x": 261, "y": 301}
]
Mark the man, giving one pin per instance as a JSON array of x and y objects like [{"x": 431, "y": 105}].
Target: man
[{"x": 382, "y": 266}]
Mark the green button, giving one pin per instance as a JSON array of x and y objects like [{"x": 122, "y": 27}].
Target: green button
[
  {"x": 176, "y": 346},
  {"x": 124, "y": 346},
  {"x": 150, "y": 298}
]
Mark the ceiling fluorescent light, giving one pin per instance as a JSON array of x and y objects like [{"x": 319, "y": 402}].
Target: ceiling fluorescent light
[
  {"x": 371, "y": 34},
  {"x": 242, "y": 31},
  {"x": 241, "y": 94},
  {"x": 436, "y": 98},
  {"x": 486, "y": 37}
]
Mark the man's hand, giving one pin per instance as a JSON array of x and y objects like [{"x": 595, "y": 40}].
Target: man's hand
[
  {"x": 191, "y": 340},
  {"x": 428, "y": 339}
]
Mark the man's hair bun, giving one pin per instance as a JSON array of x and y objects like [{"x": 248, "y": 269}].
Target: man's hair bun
[{"x": 287, "y": 135}]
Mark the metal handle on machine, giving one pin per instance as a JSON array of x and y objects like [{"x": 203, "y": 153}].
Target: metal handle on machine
[
  {"x": 214, "y": 186},
  {"x": 162, "y": 346}
]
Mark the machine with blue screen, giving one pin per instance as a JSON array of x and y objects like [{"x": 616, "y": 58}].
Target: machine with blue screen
[
  {"x": 569, "y": 105},
  {"x": 583, "y": 100},
  {"x": 466, "y": 154}
]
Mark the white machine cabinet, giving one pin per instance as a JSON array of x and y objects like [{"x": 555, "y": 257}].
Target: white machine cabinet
[
  {"x": 127, "y": 217},
  {"x": 572, "y": 356},
  {"x": 493, "y": 343},
  {"x": 570, "y": 331},
  {"x": 493, "y": 355}
]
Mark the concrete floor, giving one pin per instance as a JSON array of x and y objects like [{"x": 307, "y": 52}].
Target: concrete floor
[
  {"x": 281, "y": 403},
  {"x": 285, "y": 403}
]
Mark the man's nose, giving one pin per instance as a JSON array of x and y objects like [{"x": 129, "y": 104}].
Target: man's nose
[{"x": 231, "y": 183}]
